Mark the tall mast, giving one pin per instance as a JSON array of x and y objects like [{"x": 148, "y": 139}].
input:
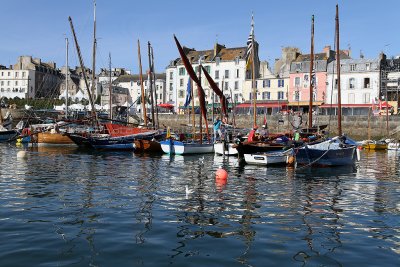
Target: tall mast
[
  {"x": 110, "y": 88},
  {"x": 142, "y": 87},
  {"x": 66, "y": 77},
  {"x": 151, "y": 85},
  {"x": 1, "y": 115},
  {"x": 201, "y": 119},
  {"x": 312, "y": 78},
  {"x": 94, "y": 53},
  {"x": 338, "y": 73},
  {"x": 94, "y": 114},
  {"x": 155, "y": 87},
  {"x": 193, "y": 114},
  {"x": 253, "y": 76}
]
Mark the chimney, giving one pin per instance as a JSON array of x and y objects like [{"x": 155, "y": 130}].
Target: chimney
[{"x": 327, "y": 50}]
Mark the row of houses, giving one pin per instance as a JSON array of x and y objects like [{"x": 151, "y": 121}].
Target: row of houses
[{"x": 363, "y": 81}]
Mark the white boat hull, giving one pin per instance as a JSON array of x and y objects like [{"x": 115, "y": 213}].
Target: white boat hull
[
  {"x": 272, "y": 158},
  {"x": 393, "y": 146},
  {"x": 228, "y": 150},
  {"x": 181, "y": 148}
]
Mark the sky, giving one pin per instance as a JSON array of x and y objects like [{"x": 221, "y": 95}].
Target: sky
[{"x": 39, "y": 28}]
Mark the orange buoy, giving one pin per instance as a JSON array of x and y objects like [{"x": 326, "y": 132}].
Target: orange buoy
[{"x": 221, "y": 174}]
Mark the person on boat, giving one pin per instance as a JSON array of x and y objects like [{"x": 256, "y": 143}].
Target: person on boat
[
  {"x": 264, "y": 133},
  {"x": 217, "y": 128}
]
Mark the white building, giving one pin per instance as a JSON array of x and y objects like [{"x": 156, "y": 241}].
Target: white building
[
  {"x": 132, "y": 83},
  {"x": 17, "y": 83},
  {"x": 227, "y": 66},
  {"x": 359, "y": 81}
]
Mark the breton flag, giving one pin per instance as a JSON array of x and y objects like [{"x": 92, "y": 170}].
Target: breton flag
[
  {"x": 188, "y": 93},
  {"x": 250, "y": 41}
]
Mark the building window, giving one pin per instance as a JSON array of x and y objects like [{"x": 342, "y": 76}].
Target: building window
[
  {"x": 23, "y": 74},
  {"x": 236, "y": 60},
  {"x": 9, "y": 73},
  {"x": 208, "y": 68},
  {"x": 2, "y": 73},
  {"x": 281, "y": 83},
  {"x": 171, "y": 75},
  {"x": 217, "y": 74},
  {"x": 368, "y": 66},
  {"x": 8, "y": 83},
  {"x": 353, "y": 67},
  {"x": 217, "y": 60},
  {"x": 180, "y": 82},
  {"x": 226, "y": 86},
  {"x": 226, "y": 74},
  {"x": 366, "y": 98},
  {"x": 266, "y": 95},
  {"x": 297, "y": 81},
  {"x": 2, "y": 82},
  {"x": 182, "y": 71},
  {"x": 366, "y": 83},
  {"x": 314, "y": 96},
  {"x": 236, "y": 85},
  {"x": 181, "y": 93},
  {"x": 298, "y": 67},
  {"x": 352, "y": 83},
  {"x": 171, "y": 87},
  {"x": 236, "y": 98},
  {"x": 336, "y": 84},
  {"x": 296, "y": 96},
  {"x": 16, "y": 82},
  {"x": 16, "y": 74},
  {"x": 281, "y": 95},
  {"x": 237, "y": 73}
]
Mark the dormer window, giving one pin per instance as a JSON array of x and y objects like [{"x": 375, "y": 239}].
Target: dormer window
[{"x": 237, "y": 60}]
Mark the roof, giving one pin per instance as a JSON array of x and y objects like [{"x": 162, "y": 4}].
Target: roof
[
  {"x": 136, "y": 77},
  {"x": 320, "y": 56}
]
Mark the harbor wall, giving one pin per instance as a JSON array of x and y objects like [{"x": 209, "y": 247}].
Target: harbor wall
[{"x": 353, "y": 126}]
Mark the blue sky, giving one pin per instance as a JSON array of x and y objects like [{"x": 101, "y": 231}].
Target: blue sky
[{"x": 38, "y": 28}]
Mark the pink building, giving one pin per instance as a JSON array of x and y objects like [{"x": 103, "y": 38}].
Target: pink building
[{"x": 299, "y": 77}]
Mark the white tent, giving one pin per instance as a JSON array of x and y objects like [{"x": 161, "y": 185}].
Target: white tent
[
  {"x": 96, "y": 106},
  {"x": 80, "y": 95},
  {"x": 63, "y": 95},
  {"x": 77, "y": 107},
  {"x": 60, "y": 108}
]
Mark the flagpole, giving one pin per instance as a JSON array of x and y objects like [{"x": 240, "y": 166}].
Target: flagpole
[{"x": 253, "y": 78}]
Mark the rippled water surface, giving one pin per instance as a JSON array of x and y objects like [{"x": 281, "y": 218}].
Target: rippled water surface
[{"x": 67, "y": 207}]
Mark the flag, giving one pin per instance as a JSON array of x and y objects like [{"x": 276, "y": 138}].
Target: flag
[
  {"x": 250, "y": 42},
  {"x": 188, "y": 93}
]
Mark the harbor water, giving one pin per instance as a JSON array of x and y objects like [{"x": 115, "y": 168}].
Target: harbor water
[{"x": 70, "y": 207}]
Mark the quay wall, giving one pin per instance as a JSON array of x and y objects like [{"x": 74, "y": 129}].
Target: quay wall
[{"x": 353, "y": 126}]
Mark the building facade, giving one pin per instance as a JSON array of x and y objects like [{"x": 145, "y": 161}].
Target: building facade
[
  {"x": 359, "y": 81},
  {"x": 227, "y": 66}
]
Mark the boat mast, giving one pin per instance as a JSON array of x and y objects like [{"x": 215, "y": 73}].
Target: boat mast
[
  {"x": 110, "y": 88},
  {"x": 1, "y": 115},
  {"x": 151, "y": 85},
  {"x": 193, "y": 114},
  {"x": 94, "y": 52},
  {"x": 94, "y": 114},
  {"x": 253, "y": 76},
  {"x": 142, "y": 87},
  {"x": 154, "y": 87},
  {"x": 311, "y": 74},
  {"x": 201, "y": 119},
  {"x": 338, "y": 73},
  {"x": 66, "y": 77}
]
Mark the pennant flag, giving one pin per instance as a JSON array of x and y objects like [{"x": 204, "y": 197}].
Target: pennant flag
[
  {"x": 250, "y": 42},
  {"x": 188, "y": 93}
]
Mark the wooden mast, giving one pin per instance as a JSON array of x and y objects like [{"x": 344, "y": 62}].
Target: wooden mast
[
  {"x": 338, "y": 73},
  {"x": 253, "y": 75},
  {"x": 155, "y": 87},
  {"x": 141, "y": 86},
  {"x": 94, "y": 113},
  {"x": 201, "y": 117},
  {"x": 66, "y": 77},
  {"x": 94, "y": 53},
  {"x": 110, "y": 89},
  {"x": 151, "y": 86},
  {"x": 1, "y": 115},
  {"x": 311, "y": 74}
]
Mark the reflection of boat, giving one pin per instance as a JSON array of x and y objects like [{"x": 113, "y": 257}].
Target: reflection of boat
[
  {"x": 374, "y": 145},
  {"x": 393, "y": 145},
  {"x": 177, "y": 147}
]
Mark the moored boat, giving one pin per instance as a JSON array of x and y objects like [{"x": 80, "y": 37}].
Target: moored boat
[
  {"x": 374, "y": 145},
  {"x": 171, "y": 146},
  {"x": 224, "y": 148},
  {"x": 147, "y": 146},
  {"x": 270, "y": 158}
]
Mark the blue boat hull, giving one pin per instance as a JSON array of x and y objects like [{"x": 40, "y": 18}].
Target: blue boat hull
[
  {"x": 6, "y": 136},
  {"x": 333, "y": 157}
]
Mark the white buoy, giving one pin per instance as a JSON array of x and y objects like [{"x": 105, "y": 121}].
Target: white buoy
[{"x": 22, "y": 154}]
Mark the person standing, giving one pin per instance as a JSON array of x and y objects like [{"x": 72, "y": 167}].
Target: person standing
[{"x": 217, "y": 128}]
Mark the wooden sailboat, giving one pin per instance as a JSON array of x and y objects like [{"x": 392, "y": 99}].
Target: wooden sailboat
[
  {"x": 6, "y": 133},
  {"x": 373, "y": 144},
  {"x": 333, "y": 152},
  {"x": 171, "y": 146}
]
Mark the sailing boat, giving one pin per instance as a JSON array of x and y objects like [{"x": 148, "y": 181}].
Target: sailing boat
[
  {"x": 373, "y": 144},
  {"x": 6, "y": 133},
  {"x": 171, "y": 146},
  {"x": 336, "y": 151}
]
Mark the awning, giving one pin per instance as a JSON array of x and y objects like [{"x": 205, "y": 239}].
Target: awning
[
  {"x": 262, "y": 105},
  {"x": 165, "y": 105},
  {"x": 304, "y": 103},
  {"x": 348, "y": 105}
]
